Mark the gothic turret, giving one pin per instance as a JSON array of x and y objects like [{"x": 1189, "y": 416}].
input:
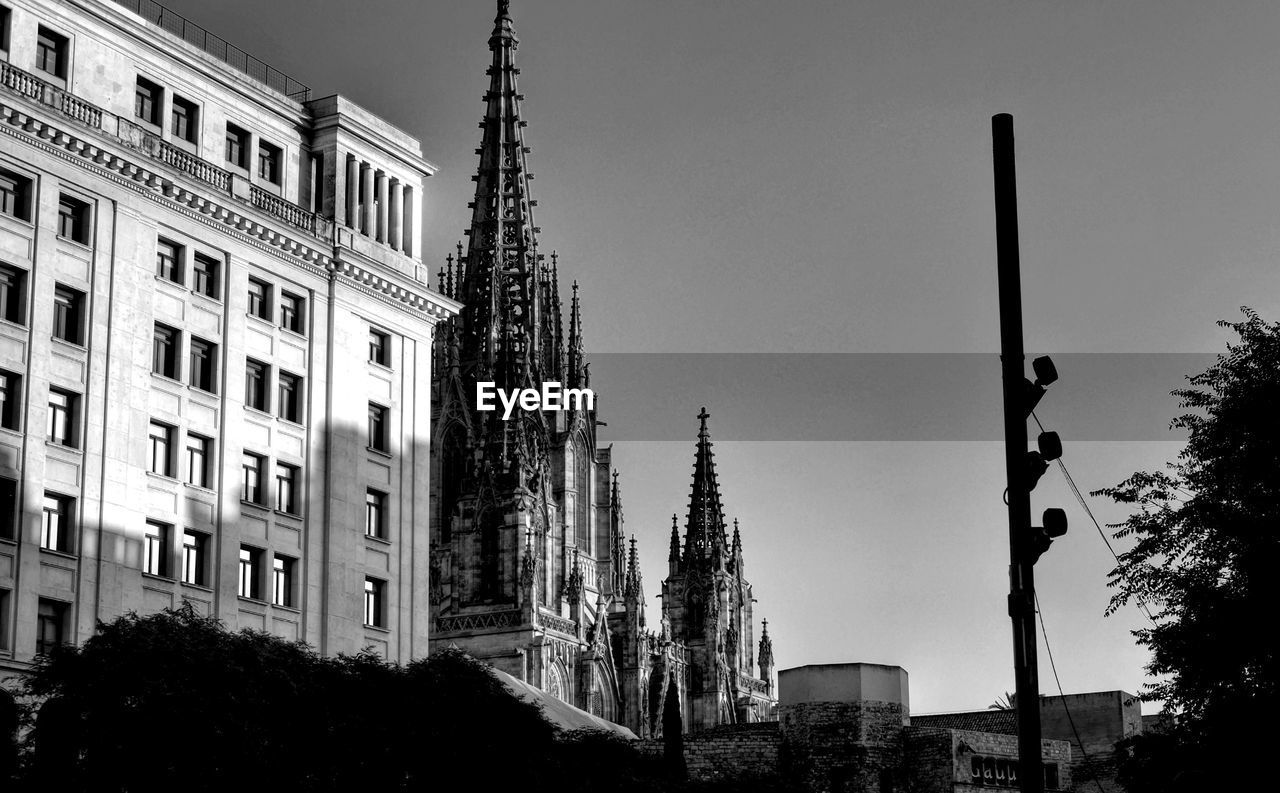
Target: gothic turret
[
  {"x": 765, "y": 655},
  {"x": 704, "y": 542}
]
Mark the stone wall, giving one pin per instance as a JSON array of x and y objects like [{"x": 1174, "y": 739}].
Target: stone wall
[
  {"x": 731, "y": 751},
  {"x": 845, "y": 746}
]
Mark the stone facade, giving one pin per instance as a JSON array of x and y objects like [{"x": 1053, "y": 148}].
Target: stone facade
[
  {"x": 193, "y": 288},
  {"x": 531, "y": 568}
]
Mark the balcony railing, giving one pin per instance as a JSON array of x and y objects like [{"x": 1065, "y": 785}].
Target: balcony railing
[
  {"x": 229, "y": 54},
  {"x": 137, "y": 137}
]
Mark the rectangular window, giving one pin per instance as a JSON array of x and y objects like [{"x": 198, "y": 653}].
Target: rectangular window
[
  {"x": 51, "y": 52},
  {"x": 10, "y": 400},
  {"x": 8, "y": 508},
  {"x": 256, "y": 375},
  {"x": 56, "y": 522},
  {"x": 287, "y": 488},
  {"x": 68, "y": 314},
  {"x": 259, "y": 299},
  {"x": 15, "y": 195},
  {"x": 13, "y": 293},
  {"x": 64, "y": 418},
  {"x": 169, "y": 261},
  {"x": 289, "y": 397},
  {"x": 73, "y": 220},
  {"x": 5, "y": 622},
  {"x": 198, "y": 454},
  {"x": 282, "y": 580},
  {"x": 292, "y": 312},
  {"x": 378, "y": 423},
  {"x": 195, "y": 553},
  {"x": 155, "y": 548},
  {"x": 268, "y": 162},
  {"x": 51, "y": 625},
  {"x": 375, "y": 508},
  {"x": 237, "y": 147},
  {"x": 204, "y": 275},
  {"x": 184, "y": 120},
  {"x": 373, "y": 602},
  {"x": 251, "y": 479},
  {"x": 5, "y": 17},
  {"x": 160, "y": 452},
  {"x": 147, "y": 98},
  {"x": 250, "y": 572},
  {"x": 204, "y": 361},
  {"x": 164, "y": 351},
  {"x": 379, "y": 347}
]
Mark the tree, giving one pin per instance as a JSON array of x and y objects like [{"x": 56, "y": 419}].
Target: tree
[{"x": 1206, "y": 555}]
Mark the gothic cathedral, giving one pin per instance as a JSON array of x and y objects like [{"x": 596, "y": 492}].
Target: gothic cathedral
[{"x": 530, "y": 568}]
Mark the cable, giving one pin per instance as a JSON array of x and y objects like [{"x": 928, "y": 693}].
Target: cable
[
  {"x": 1054, "y": 667},
  {"x": 1071, "y": 484}
]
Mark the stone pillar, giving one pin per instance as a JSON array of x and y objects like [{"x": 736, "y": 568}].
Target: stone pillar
[
  {"x": 396, "y": 214},
  {"x": 383, "y": 203},
  {"x": 410, "y": 227},
  {"x": 351, "y": 215},
  {"x": 369, "y": 226}
]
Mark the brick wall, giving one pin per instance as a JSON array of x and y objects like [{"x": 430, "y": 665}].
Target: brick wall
[
  {"x": 842, "y": 747},
  {"x": 752, "y": 751}
]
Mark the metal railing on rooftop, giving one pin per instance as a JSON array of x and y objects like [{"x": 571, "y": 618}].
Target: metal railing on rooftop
[{"x": 218, "y": 47}]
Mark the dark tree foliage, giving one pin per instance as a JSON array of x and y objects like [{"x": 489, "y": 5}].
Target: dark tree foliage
[{"x": 1206, "y": 555}]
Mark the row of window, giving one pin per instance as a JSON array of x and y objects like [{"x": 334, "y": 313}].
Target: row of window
[
  {"x": 253, "y": 483},
  {"x": 74, "y": 214},
  {"x": 292, "y": 307},
  {"x": 62, "y": 426},
  {"x": 68, "y": 305}
]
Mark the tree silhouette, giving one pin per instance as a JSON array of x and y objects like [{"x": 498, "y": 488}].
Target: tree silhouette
[{"x": 1207, "y": 557}]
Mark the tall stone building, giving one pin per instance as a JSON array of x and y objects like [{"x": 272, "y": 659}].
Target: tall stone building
[
  {"x": 530, "y": 566},
  {"x": 215, "y": 341}
]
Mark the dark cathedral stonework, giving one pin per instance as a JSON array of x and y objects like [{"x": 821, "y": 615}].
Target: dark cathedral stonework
[{"x": 530, "y": 568}]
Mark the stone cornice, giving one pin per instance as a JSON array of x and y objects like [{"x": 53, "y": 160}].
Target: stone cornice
[{"x": 145, "y": 178}]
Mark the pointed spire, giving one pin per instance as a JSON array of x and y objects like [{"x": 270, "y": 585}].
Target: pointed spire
[
  {"x": 765, "y": 653},
  {"x": 632, "y": 589},
  {"x": 704, "y": 530},
  {"x": 674, "y": 556},
  {"x": 737, "y": 539},
  {"x": 575, "y": 364}
]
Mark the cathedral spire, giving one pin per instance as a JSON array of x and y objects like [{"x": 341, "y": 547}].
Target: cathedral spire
[
  {"x": 576, "y": 372},
  {"x": 765, "y": 654},
  {"x": 704, "y": 530},
  {"x": 499, "y": 279},
  {"x": 674, "y": 556}
]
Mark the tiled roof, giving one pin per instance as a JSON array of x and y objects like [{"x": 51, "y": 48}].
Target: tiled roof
[{"x": 1000, "y": 722}]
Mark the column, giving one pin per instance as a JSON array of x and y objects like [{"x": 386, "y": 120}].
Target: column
[
  {"x": 353, "y": 193},
  {"x": 409, "y": 226},
  {"x": 383, "y": 203},
  {"x": 370, "y": 219},
  {"x": 397, "y": 213}
]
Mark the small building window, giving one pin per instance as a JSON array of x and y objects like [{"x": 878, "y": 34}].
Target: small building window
[
  {"x": 155, "y": 548},
  {"x": 379, "y": 347},
  {"x": 251, "y": 478},
  {"x": 378, "y": 426},
  {"x": 287, "y": 488},
  {"x": 259, "y": 299},
  {"x": 237, "y": 147},
  {"x": 184, "y": 120},
  {"x": 195, "y": 557},
  {"x": 204, "y": 359},
  {"x": 64, "y": 410},
  {"x": 204, "y": 275},
  {"x": 147, "y": 99},
  {"x": 164, "y": 351},
  {"x": 374, "y": 595},
  {"x": 282, "y": 568},
  {"x": 15, "y": 195},
  {"x": 375, "y": 514},
  {"x": 198, "y": 454},
  {"x": 13, "y": 294},
  {"x": 10, "y": 400},
  {"x": 73, "y": 220},
  {"x": 5, "y": 18},
  {"x": 268, "y": 162},
  {"x": 256, "y": 375},
  {"x": 56, "y": 522},
  {"x": 160, "y": 449},
  {"x": 51, "y": 625},
  {"x": 292, "y": 312},
  {"x": 169, "y": 260},
  {"x": 51, "y": 52},
  {"x": 289, "y": 397},
  {"x": 250, "y": 573},
  {"x": 8, "y": 508},
  {"x": 68, "y": 314}
]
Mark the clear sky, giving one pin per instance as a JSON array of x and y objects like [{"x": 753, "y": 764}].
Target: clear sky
[{"x": 750, "y": 176}]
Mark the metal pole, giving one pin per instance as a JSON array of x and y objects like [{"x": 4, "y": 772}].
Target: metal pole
[{"x": 1021, "y": 570}]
